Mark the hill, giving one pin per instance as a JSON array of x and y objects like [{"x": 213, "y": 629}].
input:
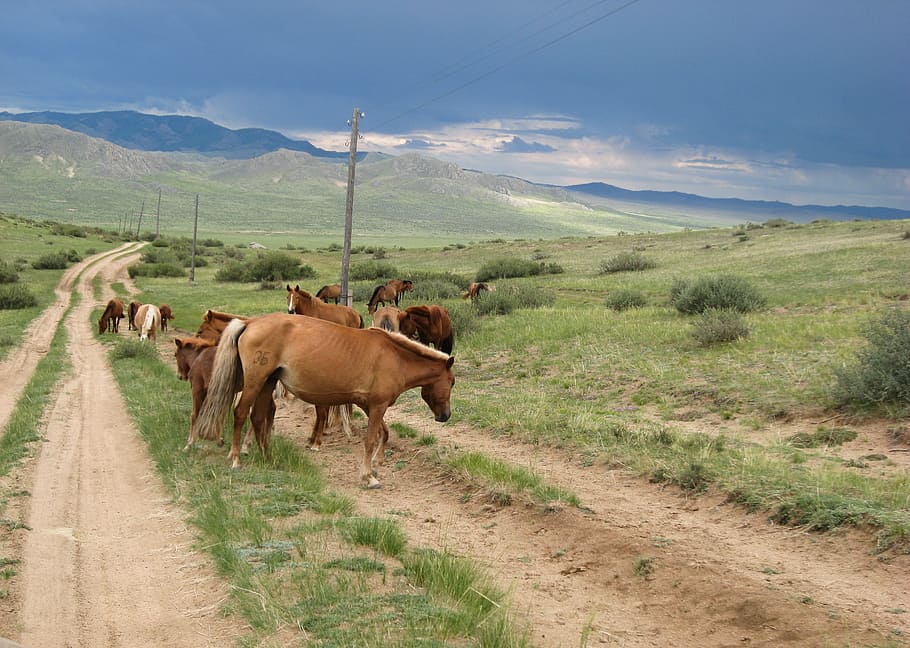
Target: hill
[{"x": 51, "y": 172}]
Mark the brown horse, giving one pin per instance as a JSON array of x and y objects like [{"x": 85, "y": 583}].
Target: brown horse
[
  {"x": 148, "y": 319},
  {"x": 303, "y": 303},
  {"x": 214, "y": 323},
  {"x": 330, "y": 291},
  {"x": 303, "y": 353},
  {"x": 131, "y": 315},
  {"x": 476, "y": 289},
  {"x": 110, "y": 318},
  {"x": 166, "y": 314},
  {"x": 389, "y": 293},
  {"x": 387, "y": 318},
  {"x": 431, "y": 324},
  {"x": 195, "y": 359}
]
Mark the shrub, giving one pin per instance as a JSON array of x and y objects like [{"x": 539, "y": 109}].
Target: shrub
[
  {"x": 464, "y": 319},
  {"x": 507, "y": 298},
  {"x": 156, "y": 270},
  {"x": 881, "y": 371},
  {"x": 717, "y": 325},
  {"x": 372, "y": 270},
  {"x": 626, "y": 262},
  {"x": 268, "y": 266},
  {"x": 510, "y": 267},
  {"x": 8, "y": 273},
  {"x": 56, "y": 260},
  {"x": 723, "y": 292},
  {"x": 620, "y": 300},
  {"x": 16, "y": 296}
]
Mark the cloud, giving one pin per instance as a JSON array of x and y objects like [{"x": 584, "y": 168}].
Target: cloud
[
  {"x": 418, "y": 144},
  {"x": 518, "y": 145}
]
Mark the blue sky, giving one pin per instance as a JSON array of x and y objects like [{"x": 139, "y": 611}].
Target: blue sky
[{"x": 805, "y": 101}]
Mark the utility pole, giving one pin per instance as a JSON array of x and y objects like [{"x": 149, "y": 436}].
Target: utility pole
[
  {"x": 158, "y": 216},
  {"x": 139, "y": 224},
  {"x": 349, "y": 209},
  {"x": 193, "y": 254}
]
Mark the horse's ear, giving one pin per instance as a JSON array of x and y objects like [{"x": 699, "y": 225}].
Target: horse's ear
[
  {"x": 178, "y": 342},
  {"x": 289, "y": 288},
  {"x": 297, "y": 287},
  {"x": 450, "y": 362}
]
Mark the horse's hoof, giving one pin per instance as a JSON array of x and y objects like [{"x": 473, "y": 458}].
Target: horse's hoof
[
  {"x": 373, "y": 484},
  {"x": 220, "y": 442},
  {"x": 314, "y": 448}
]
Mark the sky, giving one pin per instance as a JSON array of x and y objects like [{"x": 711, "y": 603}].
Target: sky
[{"x": 803, "y": 101}]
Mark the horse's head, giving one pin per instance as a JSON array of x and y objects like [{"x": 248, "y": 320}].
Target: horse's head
[
  {"x": 436, "y": 394},
  {"x": 183, "y": 360},
  {"x": 292, "y": 299},
  {"x": 102, "y": 324}
]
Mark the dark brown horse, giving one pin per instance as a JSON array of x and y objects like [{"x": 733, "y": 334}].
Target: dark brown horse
[
  {"x": 301, "y": 302},
  {"x": 303, "y": 353},
  {"x": 195, "y": 359},
  {"x": 131, "y": 315},
  {"x": 388, "y": 293},
  {"x": 110, "y": 319},
  {"x": 431, "y": 324},
  {"x": 330, "y": 291},
  {"x": 166, "y": 314},
  {"x": 214, "y": 323}
]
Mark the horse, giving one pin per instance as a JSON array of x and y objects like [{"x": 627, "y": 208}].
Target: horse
[
  {"x": 389, "y": 292},
  {"x": 303, "y": 353},
  {"x": 148, "y": 319},
  {"x": 131, "y": 315},
  {"x": 387, "y": 318},
  {"x": 329, "y": 291},
  {"x": 110, "y": 318},
  {"x": 166, "y": 314},
  {"x": 303, "y": 303},
  {"x": 195, "y": 359},
  {"x": 431, "y": 324},
  {"x": 214, "y": 323},
  {"x": 476, "y": 289}
]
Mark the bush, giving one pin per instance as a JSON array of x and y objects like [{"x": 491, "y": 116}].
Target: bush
[
  {"x": 156, "y": 270},
  {"x": 8, "y": 273},
  {"x": 16, "y": 296},
  {"x": 372, "y": 270},
  {"x": 510, "y": 267},
  {"x": 620, "y": 300},
  {"x": 626, "y": 262},
  {"x": 268, "y": 266},
  {"x": 881, "y": 372},
  {"x": 727, "y": 292},
  {"x": 717, "y": 325},
  {"x": 464, "y": 319},
  {"x": 56, "y": 260},
  {"x": 507, "y": 298}
]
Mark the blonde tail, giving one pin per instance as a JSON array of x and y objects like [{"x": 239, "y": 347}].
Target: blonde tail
[{"x": 225, "y": 374}]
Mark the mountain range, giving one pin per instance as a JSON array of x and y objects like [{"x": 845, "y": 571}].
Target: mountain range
[{"x": 97, "y": 167}]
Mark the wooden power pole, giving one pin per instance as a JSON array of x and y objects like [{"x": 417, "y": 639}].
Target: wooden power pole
[
  {"x": 158, "y": 216},
  {"x": 193, "y": 254},
  {"x": 349, "y": 209}
]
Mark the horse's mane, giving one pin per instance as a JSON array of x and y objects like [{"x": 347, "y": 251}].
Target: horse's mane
[
  {"x": 376, "y": 291},
  {"x": 198, "y": 342},
  {"x": 213, "y": 314},
  {"x": 415, "y": 346}
]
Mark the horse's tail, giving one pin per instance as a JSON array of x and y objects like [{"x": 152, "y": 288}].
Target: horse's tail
[
  {"x": 374, "y": 299},
  {"x": 226, "y": 372},
  {"x": 448, "y": 343},
  {"x": 340, "y": 414}
]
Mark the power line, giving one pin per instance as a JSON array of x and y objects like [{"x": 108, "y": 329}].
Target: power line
[{"x": 511, "y": 61}]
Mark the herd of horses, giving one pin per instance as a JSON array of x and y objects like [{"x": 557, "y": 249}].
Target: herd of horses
[{"x": 330, "y": 359}]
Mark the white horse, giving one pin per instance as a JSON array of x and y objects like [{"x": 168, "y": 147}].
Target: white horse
[{"x": 148, "y": 319}]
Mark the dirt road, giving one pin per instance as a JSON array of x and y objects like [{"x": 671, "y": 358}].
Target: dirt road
[
  {"x": 106, "y": 560},
  {"x": 109, "y": 563}
]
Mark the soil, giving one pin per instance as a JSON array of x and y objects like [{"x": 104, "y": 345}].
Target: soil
[{"x": 107, "y": 560}]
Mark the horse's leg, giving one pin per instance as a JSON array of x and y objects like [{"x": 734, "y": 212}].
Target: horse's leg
[
  {"x": 261, "y": 420},
  {"x": 380, "y": 453},
  {"x": 241, "y": 413},
  {"x": 372, "y": 441},
  {"x": 198, "y": 399},
  {"x": 322, "y": 415}
]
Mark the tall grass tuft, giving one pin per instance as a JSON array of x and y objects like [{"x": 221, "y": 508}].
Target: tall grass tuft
[
  {"x": 509, "y": 297},
  {"x": 880, "y": 374},
  {"x": 626, "y": 262},
  {"x": 719, "y": 325},
  {"x": 16, "y": 296},
  {"x": 620, "y": 300}
]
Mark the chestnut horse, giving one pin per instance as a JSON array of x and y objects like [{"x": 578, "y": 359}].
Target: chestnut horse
[
  {"x": 303, "y": 353},
  {"x": 131, "y": 315},
  {"x": 148, "y": 319},
  {"x": 431, "y": 324},
  {"x": 330, "y": 291},
  {"x": 303, "y": 303},
  {"x": 390, "y": 292},
  {"x": 110, "y": 318},
  {"x": 166, "y": 314},
  {"x": 214, "y": 323},
  {"x": 387, "y": 318},
  {"x": 476, "y": 289},
  {"x": 195, "y": 358}
]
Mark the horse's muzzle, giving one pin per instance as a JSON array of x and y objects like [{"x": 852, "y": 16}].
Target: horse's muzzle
[{"x": 442, "y": 417}]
